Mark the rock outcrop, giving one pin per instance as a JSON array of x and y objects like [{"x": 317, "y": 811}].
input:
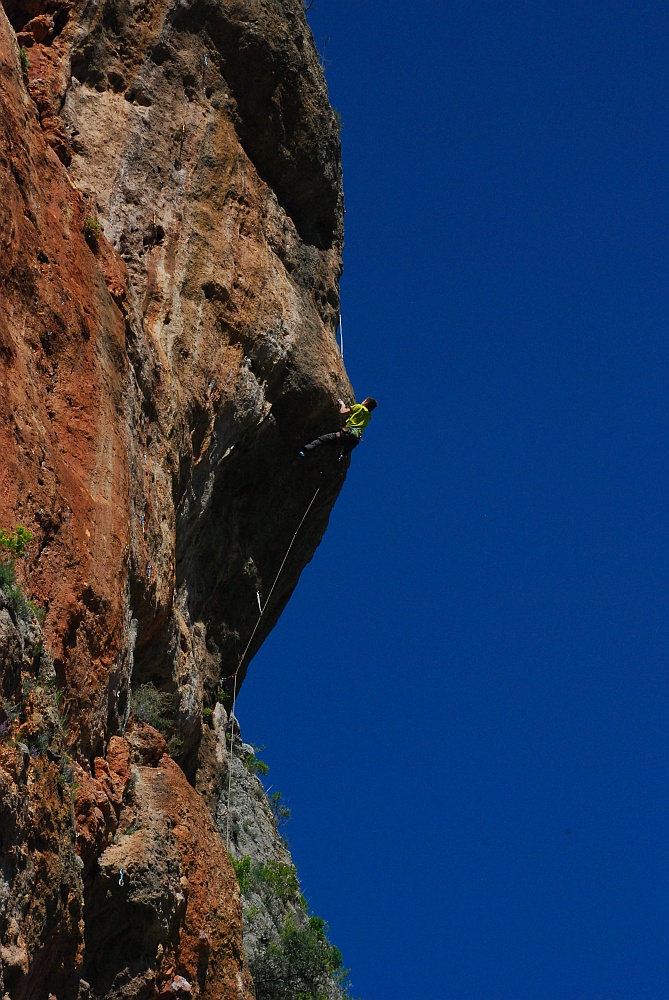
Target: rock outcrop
[{"x": 170, "y": 249}]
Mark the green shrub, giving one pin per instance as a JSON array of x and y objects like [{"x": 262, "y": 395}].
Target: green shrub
[
  {"x": 253, "y": 763},
  {"x": 153, "y": 706},
  {"x": 15, "y": 541},
  {"x": 17, "y": 602},
  {"x": 243, "y": 872},
  {"x": 7, "y": 575},
  {"x": 302, "y": 966},
  {"x": 11, "y": 711},
  {"x": 157, "y": 708},
  {"x": 41, "y": 742},
  {"x": 14, "y": 544},
  {"x": 65, "y": 777},
  {"x": 25, "y": 61},
  {"x": 280, "y": 810},
  {"x": 38, "y": 612},
  {"x": 92, "y": 232},
  {"x": 274, "y": 879},
  {"x": 208, "y": 717},
  {"x": 281, "y": 880}
]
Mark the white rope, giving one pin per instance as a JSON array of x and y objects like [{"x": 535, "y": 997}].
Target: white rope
[
  {"x": 276, "y": 578},
  {"x": 241, "y": 659},
  {"x": 232, "y": 734}
]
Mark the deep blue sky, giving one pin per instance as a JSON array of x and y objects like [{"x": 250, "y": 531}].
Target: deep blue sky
[{"x": 466, "y": 701}]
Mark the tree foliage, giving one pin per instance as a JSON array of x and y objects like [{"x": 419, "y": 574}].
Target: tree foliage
[{"x": 302, "y": 966}]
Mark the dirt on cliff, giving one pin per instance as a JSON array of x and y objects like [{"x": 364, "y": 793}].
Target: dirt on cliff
[{"x": 170, "y": 249}]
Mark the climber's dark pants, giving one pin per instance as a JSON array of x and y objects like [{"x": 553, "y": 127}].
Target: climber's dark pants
[{"x": 346, "y": 441}]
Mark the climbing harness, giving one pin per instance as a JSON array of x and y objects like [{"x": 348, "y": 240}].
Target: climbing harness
[{"x": 246, "y": 649}]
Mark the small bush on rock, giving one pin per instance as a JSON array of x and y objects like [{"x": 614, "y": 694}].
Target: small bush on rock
[
  {"x": 12, "y": 547},
  {"x": 15, "y": 542},
  {"x": 92, "y": 232},
  {"x": 254, "y": 764},
  {"x": 272, "y": 879},
  {"x": 280, "y": 810},
  {"x": 302, "y": 966},
  {"x": 157, "y": 709}
]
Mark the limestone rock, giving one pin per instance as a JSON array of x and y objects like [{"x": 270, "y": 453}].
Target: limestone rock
[
  {"x": 41, "y": 891},
  {"x": 170, "y": 250},
  {"x": 163, "y": 906},
  {"x": 204, "y": 317}
]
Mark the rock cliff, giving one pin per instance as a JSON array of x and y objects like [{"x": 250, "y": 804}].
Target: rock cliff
[{"x": 170, "y": 249}]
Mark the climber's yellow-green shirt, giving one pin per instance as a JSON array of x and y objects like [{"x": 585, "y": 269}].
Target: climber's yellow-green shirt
[{"x": 358, "y": 419}]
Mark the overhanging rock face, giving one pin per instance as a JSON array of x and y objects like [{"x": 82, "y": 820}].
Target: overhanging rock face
[{"x": 171, "y": 248}]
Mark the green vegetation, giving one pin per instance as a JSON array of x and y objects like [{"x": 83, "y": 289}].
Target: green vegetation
[
  {"x": 18, "y": 602},
  {"x": 208, "y": 717},
  {"x": 24, "y": 60},
  {"x": 243, "y": 872},
  {"x": 280, "y": 810},
  {"x": 281, "y": 879},
  {"x": 92, "y": 232},
  {"x": 65, "y": 777},
  {"x": 40, "y": 705},
  {"x": 274, "y": 879},
  {"x": 16, "y": 541},
  {"x": 339, "y": 121},
  {"x": 11, "y": 711},
  {"x": 7, "y": 576},
  {"x": 157, "y": 708},
  {"x": 253, "y": 763},
  {"x": 302, "y": 966},
  {"x": 153, "y": 706},
  {"x": 13, "y": 546}
]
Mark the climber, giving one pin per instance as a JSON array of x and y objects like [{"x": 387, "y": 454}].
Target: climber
[{"x": 350, "y": 436}]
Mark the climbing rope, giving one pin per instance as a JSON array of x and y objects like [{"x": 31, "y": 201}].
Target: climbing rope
[
  {"x": 246, "y": 649},
  {"x": 341, "y": 338},
  {"x": 232, "y": 733}
]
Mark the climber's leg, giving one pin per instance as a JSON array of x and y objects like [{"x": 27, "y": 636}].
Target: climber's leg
[{"x": 333, "y": 438}]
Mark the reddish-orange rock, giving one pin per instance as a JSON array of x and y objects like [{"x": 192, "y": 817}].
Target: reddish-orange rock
[
  {"x": 148, "y": 745},
  {"x": 166, "y": 881},
  {"x": 64, "y": 468},
  {"x": 118, "y": 760},
  {"x": 168, "y": 313}
]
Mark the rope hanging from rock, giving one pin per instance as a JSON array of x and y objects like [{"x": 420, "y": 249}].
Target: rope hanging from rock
[
  {"x": 248, "y": 645},
  {"x": 341, "y": 338},
  {"x": 232, "y": 715}
]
